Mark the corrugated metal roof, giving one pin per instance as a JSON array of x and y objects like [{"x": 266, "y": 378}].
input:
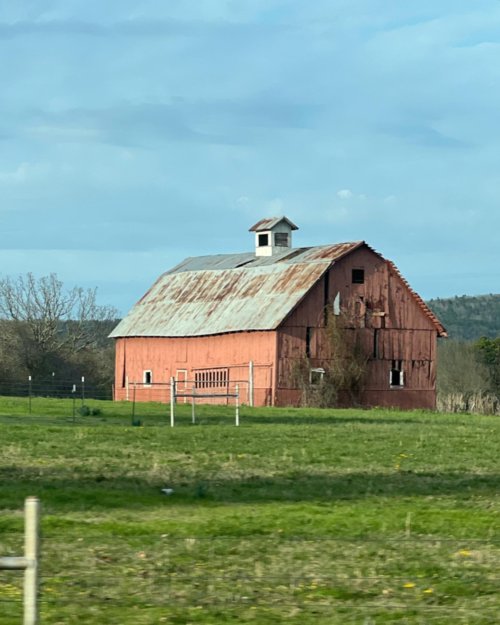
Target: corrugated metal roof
[
  {"x": 249, "y": 259},
  {"x": 269, "y": 222},
  {"x": 208, "y": 295},
  {"x": 198, "y": 303}
]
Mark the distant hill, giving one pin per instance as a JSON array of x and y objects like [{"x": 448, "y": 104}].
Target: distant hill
[{"x": 469, "y": 318}]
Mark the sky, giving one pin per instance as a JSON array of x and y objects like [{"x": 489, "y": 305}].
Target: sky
[{"x": 134, "y": 134}]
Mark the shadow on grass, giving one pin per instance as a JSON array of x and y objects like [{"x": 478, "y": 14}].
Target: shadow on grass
[
  {"x": 183, "y": 420},
  {"x": 102, "y": 492}
]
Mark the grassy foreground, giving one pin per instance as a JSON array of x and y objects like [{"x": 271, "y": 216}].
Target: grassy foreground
[{"x": 297, "y": 516}]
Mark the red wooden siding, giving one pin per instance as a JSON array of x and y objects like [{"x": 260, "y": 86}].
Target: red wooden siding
[
  {"x": 383, "y": 303},
  {"x": 164, "y": 357}
]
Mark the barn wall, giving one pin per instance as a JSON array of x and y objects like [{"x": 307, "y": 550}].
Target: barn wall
[
  {"x": 183, "y": 357},
  {"x": 385, "y": 320}
]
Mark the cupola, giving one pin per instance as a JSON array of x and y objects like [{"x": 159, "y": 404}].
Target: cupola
[{"x": 272, "y": 235}]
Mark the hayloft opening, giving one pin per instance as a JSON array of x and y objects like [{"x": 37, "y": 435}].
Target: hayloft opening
[
  {"x": 358, "y": 276},
  {"x": 308, "y": 341}
]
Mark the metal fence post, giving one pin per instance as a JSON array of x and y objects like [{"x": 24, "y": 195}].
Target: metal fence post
[
  {"x": 172, "y": 401},
  {"x": 31, "y": 553},
  {"x": 29, "y": 393},
  {"x": 29, "y": 562},
  {"x": 250, "y": 383},
  {"x": 237, "y": 402}
]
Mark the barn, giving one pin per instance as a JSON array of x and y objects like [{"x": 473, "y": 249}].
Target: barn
[{"x": 256, "y": 319}]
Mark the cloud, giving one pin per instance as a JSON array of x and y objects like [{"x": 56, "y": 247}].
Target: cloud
[
  {"x": 24, "y": 173},
  {"x": 345, "y": 194},
  {"x": 123, "y": 124}
]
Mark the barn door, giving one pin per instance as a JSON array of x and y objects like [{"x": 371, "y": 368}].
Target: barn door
[{"x": 181, "y": 382}]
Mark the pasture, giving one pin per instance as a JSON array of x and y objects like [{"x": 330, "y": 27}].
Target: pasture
[{"x": 297, "y": 516}]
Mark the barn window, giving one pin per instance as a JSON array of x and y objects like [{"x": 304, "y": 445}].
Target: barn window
[
  {"x": 376, "y": 349},
  {"x": 263, "y": 240},
  {"x": 147, "y": 377},
  {"x": 316, "y": 376},
  {"x": 396, "y": 377},
  {"x": 358, "y": 276},
  {"x": 281, "y": 239},
  {"x": 308, "y": 341},
  {"x": 211, "y": 378}
]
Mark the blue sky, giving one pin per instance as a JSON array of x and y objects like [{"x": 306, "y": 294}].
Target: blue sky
[{"x": 134, "y": 134}]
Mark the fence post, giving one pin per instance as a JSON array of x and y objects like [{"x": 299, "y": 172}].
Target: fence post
[
  {"x": 29, "y": 393},
  {"x": 172, "y": 401},
  {"x": 133, "y": 404},
  {"x": 250, "y": 383},
  {"x": 237, "y": 402},
  {"x": 83, "y": 390},
  {"x": 31, "y": 553},
  {"x": 193, "y": 418}
]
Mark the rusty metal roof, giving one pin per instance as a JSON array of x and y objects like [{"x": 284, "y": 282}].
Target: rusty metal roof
[
  {"x": 268, "y": 223},
  {"x": 223, "y": 293},
  {"x": 198, "y": 303},
  {"x": 249, "y": 259}
]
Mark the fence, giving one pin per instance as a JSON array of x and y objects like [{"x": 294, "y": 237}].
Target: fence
[
  {"x": 78, "y": 387},
  {"x": 195, "y": 394},
  {"x": 141, "y": 576},
  {"x": 28, "y": 563}
]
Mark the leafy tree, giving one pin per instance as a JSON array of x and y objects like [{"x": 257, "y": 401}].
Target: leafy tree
[{"x": 488, "y": 351}]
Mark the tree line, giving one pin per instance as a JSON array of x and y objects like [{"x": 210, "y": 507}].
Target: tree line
[{"x": 54, "y": 333}]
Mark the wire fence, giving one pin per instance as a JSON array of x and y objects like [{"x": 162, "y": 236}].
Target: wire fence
[
  {"x": 107, "y": 577},
  {"x": 77, "y": 402}
]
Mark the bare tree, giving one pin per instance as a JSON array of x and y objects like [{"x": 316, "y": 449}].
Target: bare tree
[{"x": 47, "y": 319}]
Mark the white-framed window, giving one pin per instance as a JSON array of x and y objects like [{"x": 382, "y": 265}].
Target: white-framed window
[
  {"x": 396, "y": 374},
  {"x": 147, "y": 377},
  {"x": 316, "y": 376},
  {"x": 263, "y": 239}
]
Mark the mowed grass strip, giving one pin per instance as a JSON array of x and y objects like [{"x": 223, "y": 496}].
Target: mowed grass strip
[{"x": 297, "y": 516}]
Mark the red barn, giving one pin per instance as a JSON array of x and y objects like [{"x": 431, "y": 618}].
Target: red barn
[{"x": 214, "y": 321}]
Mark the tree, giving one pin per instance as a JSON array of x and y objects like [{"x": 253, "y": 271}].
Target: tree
[
  {"x": 488, "y": 351},
  {"x": 48, "y": 324},
  {"x": 460, "y": 371}
]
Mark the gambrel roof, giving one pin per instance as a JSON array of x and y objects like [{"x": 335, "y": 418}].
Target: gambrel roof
[{"x": 224, "y": 293}]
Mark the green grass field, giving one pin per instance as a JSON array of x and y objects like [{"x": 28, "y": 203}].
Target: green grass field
[{"x": 297, "y": 516}]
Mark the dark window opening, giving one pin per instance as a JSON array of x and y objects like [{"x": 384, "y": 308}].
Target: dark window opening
[
  {"x": 358, "y": 276},
  {"x": 148, "y": 377},
  {"x": 308, "y": 341},
  {"x": 326, "y": 296},
  {"x": 263, "y": 240},
  {"x": 376, "y": 351},
  {"x": 281, "y": 239},
  {"x": 396, "y": 375}
]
